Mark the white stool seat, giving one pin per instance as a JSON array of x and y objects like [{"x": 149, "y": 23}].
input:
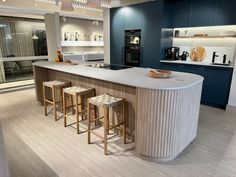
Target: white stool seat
[{"x": 105, "y": 100}]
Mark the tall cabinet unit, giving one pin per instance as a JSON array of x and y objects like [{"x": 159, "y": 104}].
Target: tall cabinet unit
[
  {"x": 117, "y": 35},
  {"x": 145, "y": 17}
]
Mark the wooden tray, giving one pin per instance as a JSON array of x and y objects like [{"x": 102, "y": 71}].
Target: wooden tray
[{"x": 156, "y": 73}]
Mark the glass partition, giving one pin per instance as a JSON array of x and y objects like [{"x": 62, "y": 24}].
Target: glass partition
[{"x": 22, "y": 42}]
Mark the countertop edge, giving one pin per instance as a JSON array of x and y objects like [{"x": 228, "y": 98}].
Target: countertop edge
[
  {"x": 127, "y": 84},
  {"x": 195, "y": 63}
]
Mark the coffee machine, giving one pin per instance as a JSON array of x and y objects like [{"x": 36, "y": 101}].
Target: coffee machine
[{"x": 172, "y": 53}]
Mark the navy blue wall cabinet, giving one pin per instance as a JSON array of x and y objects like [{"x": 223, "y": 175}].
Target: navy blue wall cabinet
[
  {"x": 179, "y": 13},
  {"x": 192, "y": 13},
  {"x": 216, "y": 85},
  {"x": 225, "y": 12},
  {"x": 202, "y": 13}
]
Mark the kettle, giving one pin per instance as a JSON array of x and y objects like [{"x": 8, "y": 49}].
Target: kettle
[{"x": 184, "y": 56}]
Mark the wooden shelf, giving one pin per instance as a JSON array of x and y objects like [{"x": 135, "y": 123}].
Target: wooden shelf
[{"x": 204, "y": 37}]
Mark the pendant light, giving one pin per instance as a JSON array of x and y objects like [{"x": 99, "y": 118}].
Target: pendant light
[{"x": 67, "y": 5}]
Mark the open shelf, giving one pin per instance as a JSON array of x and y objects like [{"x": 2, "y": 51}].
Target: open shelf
[{"x": 82, "y": 43}]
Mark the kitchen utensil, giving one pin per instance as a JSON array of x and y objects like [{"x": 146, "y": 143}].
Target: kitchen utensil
[
  {"x": 184, "y": 56},
  {"x": 198, "y": 53},
  {"x": 156, "y": 73}
]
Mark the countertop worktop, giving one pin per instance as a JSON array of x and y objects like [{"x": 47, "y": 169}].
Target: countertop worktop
[
  {"x": 136, "y": 77},
  {"x": 195, "y": 63}
]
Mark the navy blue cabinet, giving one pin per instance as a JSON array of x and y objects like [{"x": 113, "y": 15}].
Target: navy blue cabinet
[
  {"x": 148, "y": 18},
  {"x": 151, "y": 34},
  {"x": 202, "y": 13},
  {"x": 225, "y": 12},
  {"x": 117, "y": 35},
  {"x": 134, "y": 17},
  {"x": 179, "y": 13},
  {"x": 192, "y": 13},
  {"x": 216, "y": 85}
]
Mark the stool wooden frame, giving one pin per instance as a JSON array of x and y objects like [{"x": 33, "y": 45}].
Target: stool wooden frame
[
  {"x": 53, "y": 85},
  {"x": 83, "y": 91},
  {"x": 106, "y": 123}
]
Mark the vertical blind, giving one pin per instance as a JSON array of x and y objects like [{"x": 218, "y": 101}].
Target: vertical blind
[{"x": 16, "y": 35}]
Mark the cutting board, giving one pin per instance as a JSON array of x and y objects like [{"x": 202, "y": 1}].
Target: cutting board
[{"x": 197, "y": 53}]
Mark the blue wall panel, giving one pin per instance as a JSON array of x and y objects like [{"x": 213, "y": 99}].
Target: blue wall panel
[{"x": 117, "y": 34}]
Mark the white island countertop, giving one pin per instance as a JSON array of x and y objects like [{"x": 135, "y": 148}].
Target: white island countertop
[{"x": 136, "y": 77}]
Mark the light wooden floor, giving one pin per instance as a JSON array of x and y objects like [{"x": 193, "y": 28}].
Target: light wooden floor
[{"x": 39, "y": 147}]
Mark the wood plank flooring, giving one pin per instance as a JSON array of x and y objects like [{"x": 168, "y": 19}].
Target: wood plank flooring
[{"x": 37, "y": 146}]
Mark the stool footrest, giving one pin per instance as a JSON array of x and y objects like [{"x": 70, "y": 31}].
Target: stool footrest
[
  {"x": 51, "y": 102},
  {"x": 114, "y": 126},
  {"x": 93, "y": 120}
]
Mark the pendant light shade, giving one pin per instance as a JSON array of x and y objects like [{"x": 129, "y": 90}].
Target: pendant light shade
[{"x": 67, "y": 5}]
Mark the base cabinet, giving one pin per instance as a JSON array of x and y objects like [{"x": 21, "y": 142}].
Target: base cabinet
[{"x": 216, "y": 85}]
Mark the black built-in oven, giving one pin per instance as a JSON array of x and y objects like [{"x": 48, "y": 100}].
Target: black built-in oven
[{"x": 132, "y": 48}]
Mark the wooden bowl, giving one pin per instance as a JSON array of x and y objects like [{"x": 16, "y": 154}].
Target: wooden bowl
[{"x": 156, "y": 73}]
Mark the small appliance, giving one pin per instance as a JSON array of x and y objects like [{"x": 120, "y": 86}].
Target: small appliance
[{"x": 172, "y": 53}]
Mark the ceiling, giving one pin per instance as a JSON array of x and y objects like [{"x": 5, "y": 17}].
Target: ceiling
[
  {"x": 119, "y": 3},
  {"x": 92, "y": 10}
]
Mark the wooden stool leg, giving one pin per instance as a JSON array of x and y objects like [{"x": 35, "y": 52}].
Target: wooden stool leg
[
  {"x": 88, "y": 119},
  {"x": 64, "y": 109},
  {"x": 77, "y": 113},
  {"x": 44, "y": 101},
  {"x": 72, "y": 104},
  {"x": 54, "y": 102},
  {"x": 124, "y": 125},
  {"x": 61, "y": 99},
  {"x": 95, "y": 115},
  {"x": 82, "y": 107},
  {"x": 106, "y": 117}
]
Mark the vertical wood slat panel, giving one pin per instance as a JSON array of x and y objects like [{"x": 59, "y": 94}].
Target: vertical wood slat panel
[{"x": 166, "y": 121}]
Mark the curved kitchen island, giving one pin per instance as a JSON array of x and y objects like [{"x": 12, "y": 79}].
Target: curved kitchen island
[{"x": 162, "y": 114}]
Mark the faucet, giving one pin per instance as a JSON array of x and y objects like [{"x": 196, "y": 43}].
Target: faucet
[{"x": 213, "y": 57}]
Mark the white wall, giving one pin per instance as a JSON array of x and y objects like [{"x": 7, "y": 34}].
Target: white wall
[
  {"x": 53, "y": 34},
  {"x": 106, "y": 35},
  {"x": 232, "y": 96},
  {"x": 83, "y": 27}
]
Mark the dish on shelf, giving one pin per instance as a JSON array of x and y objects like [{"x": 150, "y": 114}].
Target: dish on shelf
[
  {"x": 198, "y": 53},
  {"x": 157, "y": 73}
]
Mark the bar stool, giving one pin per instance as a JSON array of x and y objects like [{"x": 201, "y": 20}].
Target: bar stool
[
  {"x": 106, "y": 102},
  {"x": 76, "y": 92},
  {"x": 53, "y": 86}
]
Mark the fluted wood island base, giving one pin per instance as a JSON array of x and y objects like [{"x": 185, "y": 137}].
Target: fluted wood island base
[{"x": 162, "y": 114}]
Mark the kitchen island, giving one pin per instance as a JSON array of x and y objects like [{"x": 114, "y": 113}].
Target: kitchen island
[{"x": 162, "y": 114}]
